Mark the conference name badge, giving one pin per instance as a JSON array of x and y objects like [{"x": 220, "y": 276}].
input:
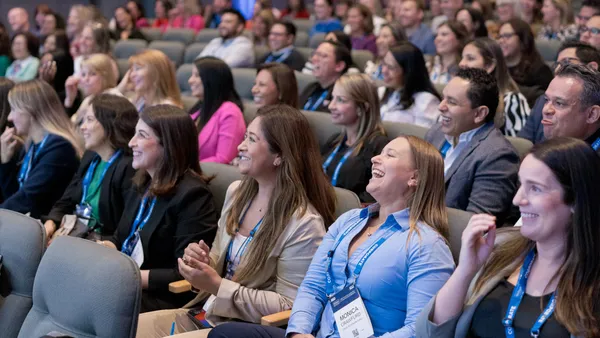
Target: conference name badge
[
  {"x": 137, "y": 254},
  {"x": 350, "y": 314}
]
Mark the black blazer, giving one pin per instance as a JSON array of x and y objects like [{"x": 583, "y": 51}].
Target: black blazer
[
  {"x": 295, "y": 61},
  {"x": 115, "y": 186},
  {"x": 314, "y": 91},
  {"x": 186, "y": 215}
]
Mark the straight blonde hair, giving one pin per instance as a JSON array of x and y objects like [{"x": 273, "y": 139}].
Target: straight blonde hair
[
  {"x": 104, "y": 66},
  {"x": 161, "y": 75},
  {"x": 40, "y": 100}
]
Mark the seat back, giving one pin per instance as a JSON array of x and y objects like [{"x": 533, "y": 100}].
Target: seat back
[
  {"x": 301, "y": 39},
  {"x": 244, "y": 81},
  {"x": 320, "y": 123},
  {"x": 179, "y": 34},
  {"x": 250, "y": 110},
  {"x": 173, "y": 50},
  {"x": 260, "y": 52},
  {"x": 548, "y": 49},
  {"x": 183, "y": 75},
  {"x": 316, "y": 40},
  {"x": 123, "y": 65},
  {"x": 395, "y": 129},
  {"x": 306, "y": 52},
  {"x": 523, "y": 146},
  {"x": 22, "y": 244},
  {"x": 188, "y": 102},
  {"x": 193, "y": 51},
  {"x": 303, "y": 80},
  {"x": 346, "y": 201},
  {"x": 303, "y": 25},
  {"x": 207, "y": 34},
  {"x": 457, "y": 222},
  {"x": 152, "y": 33},
  {"x": 83, "y": 289},
  {"x": 126, "y": 48},
  {"x": 361, "y": 57},
  {"x": 224, "y": 175}
]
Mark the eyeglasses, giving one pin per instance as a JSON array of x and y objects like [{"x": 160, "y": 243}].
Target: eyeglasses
[
  {"x": 506, "y": 36},
  {"x": 592, "y": 30},
  {"x": 566, "y": 61},
  {"x": 583, "y": 18}
]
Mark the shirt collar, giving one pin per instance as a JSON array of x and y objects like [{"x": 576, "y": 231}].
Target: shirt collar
[
  {"x": 283, "y": 50},
  {"x": 25, "y": 60},
  {"x": 398, "y": 218},
  {"x": 465, "y": 137},
  {"x": 590, "y": 140}
]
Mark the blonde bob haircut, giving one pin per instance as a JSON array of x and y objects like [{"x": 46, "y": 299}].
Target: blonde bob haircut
[
  {"x": 161, "y": 76},
  {"x": 566, "y": 11},
  {"x": 40, "y": 100},
  {"x": 367, "y": 21},
  {"x": 102, "y": 65},
  {"x": 361, "y": 89}
]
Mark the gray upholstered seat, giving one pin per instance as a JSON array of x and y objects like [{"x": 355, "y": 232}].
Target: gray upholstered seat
[
  {"x": 173, "y": 50},
  {"x": 126, "y": 48},
  {"x": 457, "y": 222}
]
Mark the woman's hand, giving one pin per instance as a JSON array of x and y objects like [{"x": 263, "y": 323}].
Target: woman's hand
[
  {"x": 9, "y": 143},
  {"x": 202, "y": 276},
  {"x": 71, "y": 90},
  {"x": 123, "y": 86},
  {"x": 50, "y": 227},
  {"x": 47, "y": 71},
  {"x": 196, "y": 253},
  {"x": 476, "y": 246},
  {"x": 301, "y": 335},
  {"x": 124, "y": 35},
  {"x": 107, "y": 244}
]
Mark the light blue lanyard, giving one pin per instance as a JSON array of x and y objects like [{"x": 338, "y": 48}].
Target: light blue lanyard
[
  {"x": 280, "y": 59},
  {"x": 596, "y": 144},
  {"x": 240, "y": 252},
  {"x": 312, "y": 107},
  {"x": 28, "y": 161},
  {"x": 517, "y": 296},
  {"x": 139, "y": 223},
  {"x": 336, "y": 172},
  {"x": 445, "y": 147},
  {"x": 87, "y": 180}
]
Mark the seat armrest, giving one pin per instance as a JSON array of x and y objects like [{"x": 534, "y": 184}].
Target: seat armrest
[
  {"x": 276, "y": 319},
  {"x": 180, "y": 286}
]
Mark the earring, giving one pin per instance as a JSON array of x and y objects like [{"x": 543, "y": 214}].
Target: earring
[{"x": 277, "y": 162}]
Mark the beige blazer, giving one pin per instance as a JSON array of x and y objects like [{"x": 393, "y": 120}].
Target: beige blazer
[{"x": 275, "y": 289}]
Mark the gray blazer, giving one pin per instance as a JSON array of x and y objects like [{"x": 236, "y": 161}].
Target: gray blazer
[{"x": 483, "y": 178}]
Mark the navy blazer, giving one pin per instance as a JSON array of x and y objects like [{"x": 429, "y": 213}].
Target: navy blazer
[
  {"x": 295, "y": 61},
  {"x": 51, "y": 172},
  {"x": 533, "y": 129},
  {"x": 483, "y": 178},
  {"x": 115, "y": 186},
  {"x": 186, "y": 215}
]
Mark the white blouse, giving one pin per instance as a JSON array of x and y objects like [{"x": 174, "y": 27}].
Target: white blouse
[{"x": 423, "y": 112}]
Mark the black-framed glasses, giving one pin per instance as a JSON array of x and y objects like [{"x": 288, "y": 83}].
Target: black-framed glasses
[
  {"x": 593, "y": 30},
  {"x": 506, "y": 36}
]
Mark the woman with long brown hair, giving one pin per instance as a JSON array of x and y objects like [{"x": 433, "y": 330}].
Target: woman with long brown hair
[
  {"x": 537, "y": 279},
  {"x": 394, "y": 253},
  {"x": 271, "y": 226}
]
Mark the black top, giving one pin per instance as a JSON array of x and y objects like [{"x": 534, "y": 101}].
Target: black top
[
  {"x": 115, "y": 186},
  {"x": 534, "y": 81},
  {"x": 356, "y": 171},
  {"x": 51, "y": 172},
  {"x": 295, "y": 60},
  {"x": 186, "y": 215},
  {"x": 487, "y": 319},
  {"x": 312, "y": 93}
]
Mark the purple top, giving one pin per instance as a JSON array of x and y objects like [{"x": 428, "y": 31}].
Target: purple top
[{"x": 366, "y": 42}]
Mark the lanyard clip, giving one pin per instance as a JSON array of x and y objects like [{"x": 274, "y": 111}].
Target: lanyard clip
[{"x": 535, "y": 333}]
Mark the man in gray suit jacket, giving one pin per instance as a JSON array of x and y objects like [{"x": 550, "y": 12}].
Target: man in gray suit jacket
[{"x": 480, "y": 164}]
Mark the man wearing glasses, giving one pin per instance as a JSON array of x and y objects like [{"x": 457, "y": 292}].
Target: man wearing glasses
[
  {"x": 281, "y": 45},
  {"x": 590, "y": 32}
]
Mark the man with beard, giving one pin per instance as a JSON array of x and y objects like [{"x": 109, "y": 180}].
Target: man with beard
[{"x": 232, "y": 47}]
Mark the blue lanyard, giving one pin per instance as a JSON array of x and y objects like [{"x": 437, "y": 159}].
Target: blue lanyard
[
  {"x": 242, "y": 249},
  {"x": 87, "y": 180},
  {"x": 28, "y": 161},
  {"x": 361, "y": 262},
  {"x": 139, "y": 223},
  {"x": 379, "y": 73},
  {"x": 596, "y": 144},
  {"x": 280, "y": 59},
  {"x": 312, "y": 107},
  {"x": 517, "y": 296},
  {"x": 445, "y": 147},
  {"x": 336, "y": 172}
]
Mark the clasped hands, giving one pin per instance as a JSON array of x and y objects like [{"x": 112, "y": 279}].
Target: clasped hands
[{"x": 195, "y": 267}]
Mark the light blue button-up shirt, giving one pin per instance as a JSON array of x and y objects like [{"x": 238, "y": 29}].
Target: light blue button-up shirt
[
  {"x": 396, "y": 282},
  {"x": 463, "y": 140}
]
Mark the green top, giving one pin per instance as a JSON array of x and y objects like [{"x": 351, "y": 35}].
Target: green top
[
  {"x": 4, "y": 63},
  {"x": 93, "y": 196}
]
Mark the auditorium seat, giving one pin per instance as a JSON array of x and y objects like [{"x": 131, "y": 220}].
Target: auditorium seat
[
  {"x": 192, "y": 51},
  {"x": 260, "y": 52},
  {"x": 83, "y": 289},
  {"x": 523, "y": 146},
  {"x": 152, "y": 33},
  {"x": 250, "y": 110},
  {"x": 183, "y": 75},
  {"x": 303, "y": 80},
  {"x": 303, "y": 25},
  {"x": 179, "y": 34},
  {"x": 321, "y": 125},
  {"x": 457, "y": 222},
  {"x": 301, "y": 39},
  {"x": 306, "y": 52},
  {"x": 123, "y": 65},
  {"x": 360, "y": 58},
  {"x": 188, "y": 102},
  {"x": 126, "y": 48},
  {"x": 224, "y": 175},
  {"x": 548, "y": 49},
  {"x": 207, "y": 34},
  {"x": 316, "y": 40},
  {"x": 22, "y": 244},
  {"x": 244, "y": 81},
  {"x": 173, "y": 49},
  {"x": 395, "y": 129}
]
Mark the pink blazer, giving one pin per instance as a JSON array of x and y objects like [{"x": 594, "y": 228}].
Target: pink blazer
[
  {"x": 195, "y": 22},
  {"x": 222, "y": 134}
]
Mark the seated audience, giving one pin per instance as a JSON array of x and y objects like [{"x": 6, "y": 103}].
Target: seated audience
[
  {"x": 261, "y": 27},
  {"x": 94, "y": 38},
  {"x": 281, "y": 46},
  {"x": 79, "y": 17},
  {"x": 341, "y": 9},
  {"x": 391, "y": 35},
  {"x": 330, "y": 61},
  {"x": 588, "y": 9},
  {"x": 97, "y": 77},
  {"x": 342, "y": 38},
  {"x": 106, "y": 128},
  {"x": 523, "y": 59},
  {"x": 187, "y": 15},
  {"x": 52, "y": 23},
  {"x": 161, "y": 13},
  {"x": 375, "y": 7},
  {"x": 169, "y": 205},
  {"x": 399, "y": 245},
  {"x": 218, "y": 114},
  {"x": 360, "y": 21},
  {"x": 450, "y": 40},
  {"x": 5, "y": 86},
  {"x": 126, "y": 28},
  {"x": 56, "y": 68},
  {"x": 448, "y": 9},
  {"x": 506, "y": 10},
  {"x": 570, "y": 53},
  {"x": 513, "y": 110},
  {"x": 152, "y": 78},
  {"x": 25, "y": 48},
  {"x": 5, "y": 50},
  {"x": 272, "y": 223},
  {"x": 590, "y": 32},
  {"x": 325, "y": 21},
  {"x": 544, "y": 270},
  {"x": 412, "y": 13},
  {"x": 408, "y": 95},
  {"x": 558, "y": 21},
  {"x": 57, "y": 41},
  {"x": 480, "y": 164},
  {"x": 18, "y": 19},
  {"x": 473, "y": 21},
  {"x": 39, "y": 13},
  {"x": 275, "y": 84},
  {"x": 531, "y": 12},
  {"x": 137, "y": 12},
  {"x": 295, "y": 9},
  {"x": 214, "y": 13},
  {"x": 232, "y": 46},
  {"x": 355, "y": 107},
  {"x": 40, "y": 154}
]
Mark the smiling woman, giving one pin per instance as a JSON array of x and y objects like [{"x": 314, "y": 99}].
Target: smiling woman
[{"x": 275, "y": 83}]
